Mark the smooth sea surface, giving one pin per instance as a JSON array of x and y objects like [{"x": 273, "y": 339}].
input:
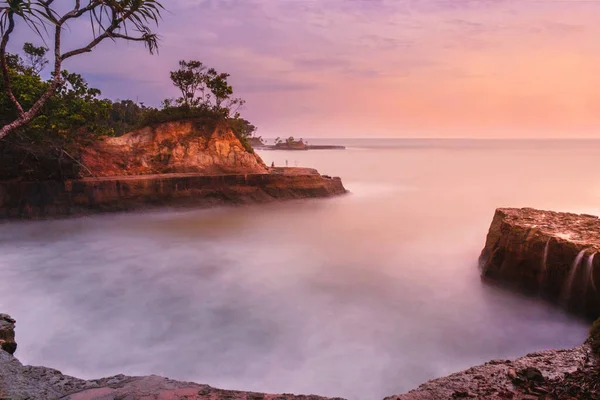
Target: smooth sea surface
[{"x": 361, "y": 296}]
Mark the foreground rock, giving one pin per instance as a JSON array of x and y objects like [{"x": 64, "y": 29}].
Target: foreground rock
[
  {"x": 543, "y": 375},
  {"x": 549, "y": 253},
  {"x": 19, "y": 382},
  {"x": 557, "y": 374}
]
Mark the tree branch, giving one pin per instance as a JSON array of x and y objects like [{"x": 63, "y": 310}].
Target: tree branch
[
  {"x": 118, "y": 20},
  {"x": 107, "y": 34},
  {"x": 4, "y": 66}
]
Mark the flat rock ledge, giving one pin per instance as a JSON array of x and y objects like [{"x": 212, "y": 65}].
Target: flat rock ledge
[
  {"x": 555, "y": 374},
  {"x": 51, "y": 199},
  {"x": 547, "y": 253}
]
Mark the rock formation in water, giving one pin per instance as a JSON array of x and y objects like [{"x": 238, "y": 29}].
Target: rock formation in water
[
  {"x": 199, "y": 146},
  {"x": 547, "y": 253},
  {"x": 183, "y": 163}
]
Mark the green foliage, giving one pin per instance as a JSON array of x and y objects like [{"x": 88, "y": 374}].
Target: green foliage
[
  {"x": 169, "y": 113},
  {"x": 595, "y": 337},
  {"x": 35, "y": 56},
  {"x": 48, "y": 147},
  {"x": 242, "y": 127},
  {"x": 204, "y": 88},
  {"x": 126, "y": 116},
  {"x": 190, "y": 80},
  {"x": 73, "y": 118}
]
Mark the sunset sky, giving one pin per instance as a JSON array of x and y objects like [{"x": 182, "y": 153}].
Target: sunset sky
[{"x": 379, "y": 68}]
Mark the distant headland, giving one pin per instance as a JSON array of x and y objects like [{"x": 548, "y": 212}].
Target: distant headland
[{"x": 290, "y": 144}]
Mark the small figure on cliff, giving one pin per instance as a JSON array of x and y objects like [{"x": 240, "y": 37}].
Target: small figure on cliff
[
  {"x": 286, "y": 163},
  {"x": 273, "y": 164}
]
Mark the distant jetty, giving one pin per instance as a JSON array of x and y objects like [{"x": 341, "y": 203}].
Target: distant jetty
[{"x": 305, "y": 147}]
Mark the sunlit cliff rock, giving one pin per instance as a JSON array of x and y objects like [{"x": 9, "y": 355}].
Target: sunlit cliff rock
[
  {"x": 195, "y": 163},
  {"x": 547, "y": 253},
  {"x": 200, "y": 146}
]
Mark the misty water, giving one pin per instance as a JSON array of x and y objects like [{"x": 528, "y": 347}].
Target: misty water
[{"x": 360, "y": 296}]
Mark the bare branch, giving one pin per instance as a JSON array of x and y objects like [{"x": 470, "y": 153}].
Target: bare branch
[
  {"x": 37, "y": 13},
  {"x": 3, "y": 64}
]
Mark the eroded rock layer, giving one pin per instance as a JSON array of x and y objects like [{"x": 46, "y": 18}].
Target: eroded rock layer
[
  {"x": 549, "y": 253},
  {"x": 198, "y": 146}
]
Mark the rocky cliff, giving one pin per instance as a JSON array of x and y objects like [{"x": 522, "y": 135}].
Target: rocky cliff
[
  {"x": 547, "y": 253},
  {"x": 555, "y": 374},
  {"x": 199, "y": 146},
  {"x": 197, "y": 163}
]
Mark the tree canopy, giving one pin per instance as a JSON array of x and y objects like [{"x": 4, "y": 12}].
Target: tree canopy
[
  {"x": 76, "y": 116},
  {"x": 204, "y": 88},
  {"x": 109, "y": 19}
]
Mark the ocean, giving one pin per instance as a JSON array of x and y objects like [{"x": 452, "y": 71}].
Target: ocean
[{"x": 361, "y": 296}]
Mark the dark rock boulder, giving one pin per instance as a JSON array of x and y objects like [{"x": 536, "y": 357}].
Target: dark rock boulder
[
  {"x": 547, "y": 253},
  {"x": 7, "y": 334}
]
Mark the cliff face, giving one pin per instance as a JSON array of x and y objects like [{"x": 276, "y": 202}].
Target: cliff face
[
  {"x": 185, "y": 146},
  {"x": 548, "y": 253}
]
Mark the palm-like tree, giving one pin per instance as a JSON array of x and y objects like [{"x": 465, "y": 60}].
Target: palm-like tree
[{"x": 109, "y": 19}]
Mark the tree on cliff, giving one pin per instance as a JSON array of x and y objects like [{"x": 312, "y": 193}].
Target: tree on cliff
[
  {"x": 190, "y": 80},
  {"x": 204, "y": 88},
  {"x": 46, "y": 147},
  {"x": 109, "y": 19}
]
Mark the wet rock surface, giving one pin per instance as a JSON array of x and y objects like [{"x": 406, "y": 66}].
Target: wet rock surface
[
  {"x": 7, "y": 334},
  {"x": 546, "y": 253},
  {"x": 18, "y": 382},
  {"x": 548, "y": 375}
]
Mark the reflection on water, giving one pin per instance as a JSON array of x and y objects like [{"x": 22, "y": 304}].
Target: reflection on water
[{"x": 361, "y": 296}]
